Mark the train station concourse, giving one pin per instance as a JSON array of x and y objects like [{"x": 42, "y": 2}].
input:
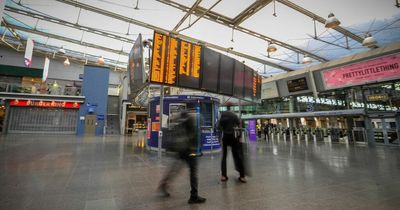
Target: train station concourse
[{"x": 199, "y": 104}]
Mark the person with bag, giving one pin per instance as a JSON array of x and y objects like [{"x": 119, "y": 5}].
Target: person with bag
[
  {"x": 185, "y": 146},
  {"x": 229, "y": 125}
]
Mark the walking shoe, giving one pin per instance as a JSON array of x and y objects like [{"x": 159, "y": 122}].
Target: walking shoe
[
  {"x": 196, "y": 199},
  {"x": 242, "y": 179},
  {"x": 224, "y": 178}
]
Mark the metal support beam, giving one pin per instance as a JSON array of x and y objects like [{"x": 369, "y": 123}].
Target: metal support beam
[
  {"x": 199, "y": 17},
  {"x": 45, "y": 34},
  {"x": 66, "y": 23},
  {"x": 186, "y": 15},
  {"x": 320, "y": 19},
  {"x": 250, "y": 11},
  {"x": 152, "y": 27},
  {"x": 218, "y": 18}
]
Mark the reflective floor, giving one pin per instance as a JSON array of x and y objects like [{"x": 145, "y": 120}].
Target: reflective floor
[{"x": 116, "y": 172}]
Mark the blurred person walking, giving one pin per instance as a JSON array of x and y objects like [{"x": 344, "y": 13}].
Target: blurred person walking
[
  {"x": 185, "y": 152},
  {"x": 229, "y": 125}
]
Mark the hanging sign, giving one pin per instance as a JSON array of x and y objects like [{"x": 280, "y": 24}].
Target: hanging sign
[{"x": 28, "y": 53}]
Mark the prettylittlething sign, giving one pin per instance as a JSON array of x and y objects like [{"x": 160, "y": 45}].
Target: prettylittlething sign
[{"x": 377, "y": 70}]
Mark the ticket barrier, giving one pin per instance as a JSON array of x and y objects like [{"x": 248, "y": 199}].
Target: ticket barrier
[{"x": 317, "y": 134}]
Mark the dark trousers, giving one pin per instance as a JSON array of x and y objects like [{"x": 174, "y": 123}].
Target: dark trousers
[
  {"x": 266, "y": 136},
  {"x": 237, "y": 153},
  {"x": 174, "y": 169}
]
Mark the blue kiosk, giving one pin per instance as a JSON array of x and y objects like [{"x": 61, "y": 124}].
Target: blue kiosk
[{"x": 206, "y": 112}]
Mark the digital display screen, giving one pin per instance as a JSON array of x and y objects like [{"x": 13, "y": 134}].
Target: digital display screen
[
  {"x": 189, "y": 65},
  {"x": 248, "y": 84},
  {"x": 183, "y": 64},
  {"x": 158, "y": 58},
  {"x": 297, "y": 85},
  {"x": 238, "y": 79},
  {"x": 210, "y": 68},
  {"x": 226, "y": 70},
  {"x": 171, "y": 61}
]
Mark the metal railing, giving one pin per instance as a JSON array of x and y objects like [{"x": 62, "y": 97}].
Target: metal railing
[{"x": 45, "y": 89}]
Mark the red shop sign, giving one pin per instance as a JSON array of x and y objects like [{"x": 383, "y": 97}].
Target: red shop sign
[{"x": 48, "y": 104}]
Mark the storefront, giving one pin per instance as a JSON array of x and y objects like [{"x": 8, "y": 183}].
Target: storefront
[
  {"x": 136, "y": 118},
  {"x": 41, "y": 116}
]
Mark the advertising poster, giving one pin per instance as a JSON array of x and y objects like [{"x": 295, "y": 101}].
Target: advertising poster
[
  {"x": 376, "y": 70},
  {"x": 252, "y": 130},
  {"x": 28, "y": 53}
]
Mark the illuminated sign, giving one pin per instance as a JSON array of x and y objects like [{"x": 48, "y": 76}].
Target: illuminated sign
[
  {"x": 382, "y": 97},
  {"x": 172, "y": 58},
  {"x": 180, "y": 63},
  {"x": 158, "y": 59},
  {"x": 376, "y": 70},
  {"x": 47, "y": 104},
  {"x": 297, "y": 85}
]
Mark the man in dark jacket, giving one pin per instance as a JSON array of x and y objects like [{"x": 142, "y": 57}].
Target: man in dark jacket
[
  {"x": 186, "y": 153},
  {"x": 228, "y": 122}
]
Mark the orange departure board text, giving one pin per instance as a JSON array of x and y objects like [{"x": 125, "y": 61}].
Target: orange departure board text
[
  {"x": 255, "y": 81},
  {"x": 158, "y": 60},
  {"x": 184, "y": 65},
  {"x": 171, "y": 65},
  {"x": 196, "y": 61}
]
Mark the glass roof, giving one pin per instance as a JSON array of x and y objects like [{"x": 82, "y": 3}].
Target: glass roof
[{"x": 380, "y": 18}]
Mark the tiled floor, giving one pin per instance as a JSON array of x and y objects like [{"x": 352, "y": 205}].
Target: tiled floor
[{"x": 115, "y": 172}]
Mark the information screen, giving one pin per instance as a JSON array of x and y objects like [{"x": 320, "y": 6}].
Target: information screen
[
  {"x": 189, "y": 65},
  {"x": 171, "y": 61},
  {"x": 226, "y": 70},
  {"x": 248, "y": 84},
  {"x": 158, "y": 58},
  {"x": 210, "y": 69},
  {"x": 297, "y": 85},
  {"x": 238, "y": 79}
]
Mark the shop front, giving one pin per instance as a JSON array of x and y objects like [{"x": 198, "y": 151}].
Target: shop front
[{"x": 41, "y": 116}]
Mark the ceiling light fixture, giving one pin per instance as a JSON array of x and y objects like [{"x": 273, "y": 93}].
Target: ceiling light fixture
[
  {"x": 66, "y": 62},
  {"x": 272, "y": 48},
  {"x": 332, "y": 21},
  {"x": 307, "y": 60},
  {"x": 61, "y": 50},
  {"x": 369, "y": 41}
]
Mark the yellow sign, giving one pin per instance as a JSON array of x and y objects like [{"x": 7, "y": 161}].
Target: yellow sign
[{"x": 382, "y": 97}]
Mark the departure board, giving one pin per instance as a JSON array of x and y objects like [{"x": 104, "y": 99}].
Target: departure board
[
  {"x": 189, "y": 65},
  {"x": 238, "y": 79},
  {"x": 258, "y": 95},
  {"x": 210, "y": 68},
  {"x": 180, "y": 63},
  {"x": 158, "y": 58},
  {"x": 171, "y": 61},
  {"x": 226, "y": 70},
  {"x": 248, "y": 84},
  {"x": 295, "y": 85}
]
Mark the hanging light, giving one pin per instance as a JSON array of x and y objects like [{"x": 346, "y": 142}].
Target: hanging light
[
  {"x": 61, "y": 50},
  {"x": 332, "y": 21},
  {"x": 369, "y": 41},
  {"x": 100, "y": 60},
  {"x": 272, "y": 48},
  {"x": 66, "y": 62},
  {"x": 306, "y": 59}
]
